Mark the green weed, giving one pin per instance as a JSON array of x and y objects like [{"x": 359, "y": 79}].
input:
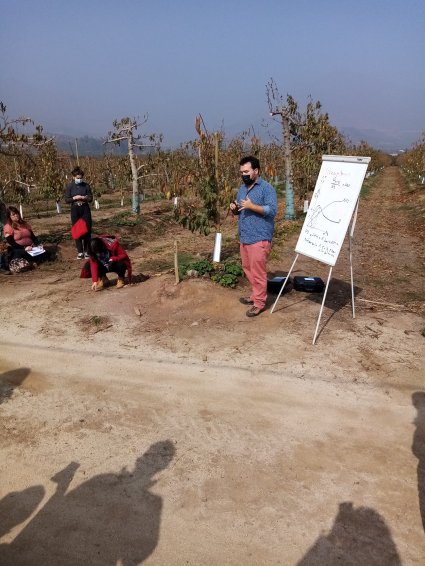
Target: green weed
[{"x": 225, "y": 274}]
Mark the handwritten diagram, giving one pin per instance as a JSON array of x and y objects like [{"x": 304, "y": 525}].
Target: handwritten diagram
[
  {"x": 319, "y": 215},
  {"x": 334, "y": 199}
]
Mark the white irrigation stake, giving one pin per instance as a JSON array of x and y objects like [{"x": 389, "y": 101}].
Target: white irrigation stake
[{"x": 217, "y": 248}]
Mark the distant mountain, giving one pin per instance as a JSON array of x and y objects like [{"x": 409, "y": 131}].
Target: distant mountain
[
  {"x": 382, "y": 140},
  {"x": 87, "y": 145}
]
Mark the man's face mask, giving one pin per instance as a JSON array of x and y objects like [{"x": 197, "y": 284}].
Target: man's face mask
[
  {"x": 78, "y": 181},
  {"x": 247, "y": 179}
]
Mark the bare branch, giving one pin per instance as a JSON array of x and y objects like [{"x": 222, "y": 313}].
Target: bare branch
[
  {"x": 37, "y": 144},
  {"x": 113, "y": 140}
]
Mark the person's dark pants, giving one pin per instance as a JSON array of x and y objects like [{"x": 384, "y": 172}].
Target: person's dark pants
[
  {"x": 117, "y": 267},
  {"x": 4, "y": 263},
  {"x": 83, "y": 212},
  {"x": 18, "y": 254}
]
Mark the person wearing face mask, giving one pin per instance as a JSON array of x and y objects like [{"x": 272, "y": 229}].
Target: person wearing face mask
[
  {"x": 78, "y": 194},
  {"x": 256, "y": 207}
]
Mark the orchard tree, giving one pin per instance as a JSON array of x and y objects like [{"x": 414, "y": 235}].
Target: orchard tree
[
  {"x": 18, "y": 147},
  {"x": 313, "y": 137},
  {"x": 378, "y": 159},
  {"x": 306, "y": 137},
  {"x": 201, "y": 210},
  {"x": 413, "y": 161},
  {"x": 124, "y": 130},
  {"x": 289, "y": 117},
  {"x": 117, "y": 173},
  {"x": 49, "y": 172},
  {"x": 12, "y": 140}
]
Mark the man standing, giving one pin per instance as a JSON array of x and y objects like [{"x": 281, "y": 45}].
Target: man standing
[
  {"x": 256, "y": 205},
  {"x": 78, "y": 194}
]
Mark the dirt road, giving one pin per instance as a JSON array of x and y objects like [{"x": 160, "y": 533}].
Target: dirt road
[{"x": 191, "y": 435}]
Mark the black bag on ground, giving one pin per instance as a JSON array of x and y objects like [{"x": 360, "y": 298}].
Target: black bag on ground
[
  {"x": 308, "y": 284},
  {"x": 274, "y": 285}
]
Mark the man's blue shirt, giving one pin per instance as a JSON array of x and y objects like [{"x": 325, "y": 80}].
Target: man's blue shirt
[{"x": 254, "y": 227}]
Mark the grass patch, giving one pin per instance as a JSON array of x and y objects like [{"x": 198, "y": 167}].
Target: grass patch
[
  {"x": 53, "y": 237},
  {"x": 96, "y": 320}
]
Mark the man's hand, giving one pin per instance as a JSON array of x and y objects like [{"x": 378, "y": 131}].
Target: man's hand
[
  {"x": 247, "y": 204},
  {"x": 28, "y": 248}
]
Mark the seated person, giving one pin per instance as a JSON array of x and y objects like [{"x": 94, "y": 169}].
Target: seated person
[
  {"x": 106, "y": 256},
  {"x": 20, "y": 237}
]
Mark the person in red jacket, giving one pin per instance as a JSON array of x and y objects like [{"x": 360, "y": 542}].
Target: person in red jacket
[{"x": 106, "y": 256}]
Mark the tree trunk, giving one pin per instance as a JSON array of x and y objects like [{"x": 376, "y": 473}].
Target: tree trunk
[
  {"x": 134, "y": 175},
  {"x": 289, "y": 190}
]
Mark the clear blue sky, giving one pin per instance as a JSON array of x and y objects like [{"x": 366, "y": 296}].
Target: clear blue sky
[{"x": 75, "y": 66}]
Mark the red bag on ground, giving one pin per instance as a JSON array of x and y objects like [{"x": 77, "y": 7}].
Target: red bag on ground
[{"x": 79, "y": 229}]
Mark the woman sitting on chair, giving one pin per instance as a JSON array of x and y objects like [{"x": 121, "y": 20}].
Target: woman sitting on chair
[{"x": 106, "y": 256}]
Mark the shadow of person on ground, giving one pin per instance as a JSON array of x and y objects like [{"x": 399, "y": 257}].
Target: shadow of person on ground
[
  {"x": 109, "y": 518},
  {"x": 11, "y": 379},
  {"x": 418, "y": 448},
  {"x": 17, "y": 506},
  {"x": 358, "y": 537}
]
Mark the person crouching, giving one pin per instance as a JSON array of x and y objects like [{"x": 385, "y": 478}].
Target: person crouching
[{"x": 106, "y": 255}]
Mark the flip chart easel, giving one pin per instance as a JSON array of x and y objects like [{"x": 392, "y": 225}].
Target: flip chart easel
[{"x": 335, "y": 199}]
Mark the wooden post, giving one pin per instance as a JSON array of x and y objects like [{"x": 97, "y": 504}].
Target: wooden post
[
  {"x": 216, "y": 144},
  {"x": 76, "y": 151},
  {"x": 176, "y": 263}
]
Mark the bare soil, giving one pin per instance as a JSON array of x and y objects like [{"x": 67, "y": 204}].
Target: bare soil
[{"x": 157, "y": 424}]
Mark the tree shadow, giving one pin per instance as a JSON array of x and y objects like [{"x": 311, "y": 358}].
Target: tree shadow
[
  {"x": 418, "y": 448},
  {"x": 358, "y": 537},
  {"x": 108, "y": 518},
  {"x": 11, "y": 379}
]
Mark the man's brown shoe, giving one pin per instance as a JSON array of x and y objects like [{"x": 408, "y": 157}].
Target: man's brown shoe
[
  {"x": 245, "y": 301},
  {"x": 254, "y": 311}
]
